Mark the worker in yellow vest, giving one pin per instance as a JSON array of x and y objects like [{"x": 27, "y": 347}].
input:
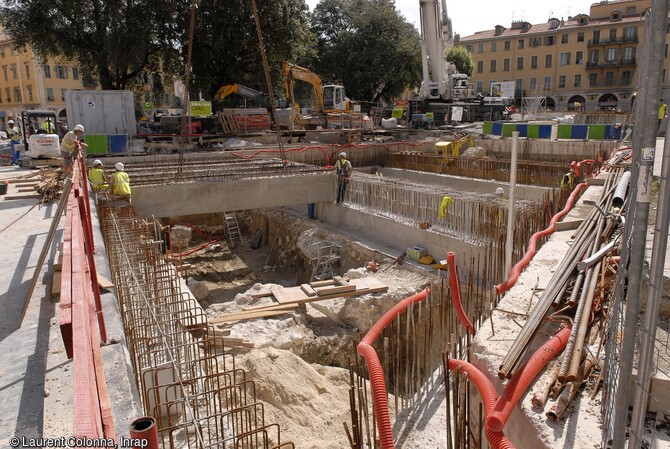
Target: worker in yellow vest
[
  {"x": 48, "y": 127},
  {"x": 97, "y": 178},
  {"x": 343, "y": 171},
  {"x": 70, "y": 147},
  {"x": 120, "y": 182}
]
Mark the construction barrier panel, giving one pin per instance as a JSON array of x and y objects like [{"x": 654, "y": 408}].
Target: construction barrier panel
[
  {"x": 488, "y": 127},
  {"x": 497, "y": 129},
  {"x": 97, "y": 144},
  {"x": 508, "y": 129},
  {"x": 118, "y": 143},
  {"x": 563, "y": 131}
]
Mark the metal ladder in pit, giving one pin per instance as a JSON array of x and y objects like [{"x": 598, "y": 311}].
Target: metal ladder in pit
[
  {"x": 323, "y": 255},
  {"x": 233, "y": 228}
]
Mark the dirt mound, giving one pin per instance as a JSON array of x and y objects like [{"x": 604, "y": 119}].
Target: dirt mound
[{"x": 310, "y": 402}]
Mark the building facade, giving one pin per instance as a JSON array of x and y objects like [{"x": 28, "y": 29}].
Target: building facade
[
  {"x": 26, "y": 82},
  {"x": 588, "y": 62}
]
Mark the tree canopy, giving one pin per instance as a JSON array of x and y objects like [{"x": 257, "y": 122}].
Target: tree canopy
[
  {"x": 114, "y": 42},
  {"x": 462, "y": 59},
  {"x": 368, "y": 46}
]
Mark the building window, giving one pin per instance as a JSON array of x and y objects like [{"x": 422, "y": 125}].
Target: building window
[
  {"x": 494, "y": 46},
  {"x": 519, "y": 63},
  {"x": 564, "y": 38},
  {"x": 594, "y": 57},
  {"x": 547, "y": 82},
  {"x": 519, "y": 87},
  {"x": 62, "y": 94},
  {"x": 580, "y": 37},
  {"x": 47, "y": 71},
  {"x": 521, "y": 43},
  {"x": 578, "y": 80},
  {"x": 61, "y": 72},
  {"x": 493, "y": 65},
  {"x": 561, "y": 81},
  {"x": 565, "y": 58},
  {"x": 8, "y": 94},
  {"x": 626, "y": 77},
  {"x": 549, "y": 40},
  {"x": 480, "y": 66},
  {"x": 13, "y": 69},
  {"x": 548, "y": 60},
  {"x": 612, "y": 34},
  {"x": 17, "y": 95},
  {"x": 609, "y": 78},
  {"x": 534, "y": 42},
  {"x": 596, "y": 36},
  {"x": 50, "y": 94},
  {"x": 469, "y": 48},
  {"x": 579, "y": 57},
  {"x": 11, "y": 51},
  {"x": 593, "y": 79},
  {"x": 480, "y": 86},
  {"x": 611, "y": 54},
  {"x": 629, "y": 34},
  {"x": 533, "y": 62},
  {"x": 533, "y": 83},
  {"x": 2, "y": 55},
  {"x": 629, "y": 55},
  {"x": 30, "y": 93},
  {"x": 4, "y": 70},
  {"x": 506, "y": 64},
  {"x": 508, "y": 45},
  {"x": 480, "y": 48},
  {"x": 630, "y": 10},
  {"x": 27, "y": 71},
  {"x": 75, "y": 73}
]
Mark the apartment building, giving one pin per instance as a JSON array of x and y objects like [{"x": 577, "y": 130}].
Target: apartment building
[
  {"x": 589, "y": 61},
  {"x": 26, "y": 82}
]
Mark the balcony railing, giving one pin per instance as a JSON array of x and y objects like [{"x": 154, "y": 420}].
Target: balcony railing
[
  {"x": 623, "y": 62},
  {"x": 614, "y": 40}
]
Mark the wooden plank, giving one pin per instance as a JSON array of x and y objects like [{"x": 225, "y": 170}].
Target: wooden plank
[
  {"x": 595, "y": 181},
  {"x": 284, "y": 295},
  {"x": 328, "y": 291},
  {"x": 262, "y": 294},
  {"x": 55, "y": 285},
  {"x": 237, "y": 317},
  {"x": 105, "y": 283},
  {"x": 316, "y": 284},
  {"x": 58, "y": 257},
  {"x": 274, "y": 306},
  {"x": 567, "y": 225},
  {"x": 22, "y": 196},
  {"x": 309, "y": 291},
  {"x": 23, "y": 190}
]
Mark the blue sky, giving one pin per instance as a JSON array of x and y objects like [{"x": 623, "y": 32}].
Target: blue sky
[{"x": 470, "y": 16}]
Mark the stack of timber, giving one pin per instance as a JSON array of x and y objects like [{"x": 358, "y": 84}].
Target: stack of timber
[
  {"x": 227, "y": 122},
  {"x": 290, "y": 298},
  {"x": 50, "y": 186}
]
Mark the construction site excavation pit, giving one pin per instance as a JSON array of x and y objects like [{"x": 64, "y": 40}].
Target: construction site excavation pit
[{"x": 244, "y": 268}]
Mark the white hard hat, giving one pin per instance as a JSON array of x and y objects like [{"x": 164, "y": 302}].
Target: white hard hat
[
  {"x": 97, "y": 162},
  {"x": 79, "y": 128},
  {"x": 11, "y": 122},
  {"x": 119, "y": 166},
  {"x": 499, "y": 191},
  {"x": 343, "y": 154}
]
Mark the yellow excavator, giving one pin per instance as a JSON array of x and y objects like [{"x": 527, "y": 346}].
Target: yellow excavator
[
  {"x": 329, "y": 98},
  {"x": 259, "y": 99}
]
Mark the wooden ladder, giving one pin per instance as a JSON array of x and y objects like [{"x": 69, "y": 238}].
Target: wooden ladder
[{"x": 233, "y": 228}]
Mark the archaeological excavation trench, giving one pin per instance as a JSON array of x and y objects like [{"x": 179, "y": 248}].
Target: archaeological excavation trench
[{"x": 257, "y": 341}]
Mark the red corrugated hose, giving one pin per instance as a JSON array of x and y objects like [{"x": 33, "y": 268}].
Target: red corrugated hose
[{"x": 456, "y": 294}]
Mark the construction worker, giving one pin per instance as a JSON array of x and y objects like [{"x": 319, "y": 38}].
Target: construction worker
[
  {"x": 97, "y": 178},
  {"x": 14, "y": 136},
  {"x": 343, "y": 170},
  {"x": 70, "y": 147},
  {"x": 502, "y": 204},
  {"x": 119, "y": 183},
  {"x": 48, "y": 127},
  {"x": 662, "y": 113},
  {"x": 568, "y": 181}
]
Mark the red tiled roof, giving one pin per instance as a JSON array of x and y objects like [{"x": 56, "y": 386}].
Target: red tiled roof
[{"x": 543, "y": 28}]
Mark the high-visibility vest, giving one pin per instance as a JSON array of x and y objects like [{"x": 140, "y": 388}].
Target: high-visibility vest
[
  {"x": 343, "y": 167},
  {"x": 68, "y": 142},
  {"x": 96, "y": 179},
  {"x": 444, "y": 204},
  {"x": 48, "y": 127},
  {"x": 14, "y": 134},
  {"x": 121, "y": 185}
]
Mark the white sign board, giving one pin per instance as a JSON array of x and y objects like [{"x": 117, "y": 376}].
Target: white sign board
[
  {"x": 456, "y": 113},
  {"x": 503, "y": 89}
]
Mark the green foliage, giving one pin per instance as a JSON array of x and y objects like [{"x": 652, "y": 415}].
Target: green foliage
[
  {"x": 367, "y": 46},
  {"x": 226, "y": 49},
  {"x": 462, "y": 59},
  {"x": 113, "y": 42}
]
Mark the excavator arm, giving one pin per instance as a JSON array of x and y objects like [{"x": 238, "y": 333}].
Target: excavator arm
[
  {"x": 239, "y": 89},
  {"x": 292, "y": 72}
]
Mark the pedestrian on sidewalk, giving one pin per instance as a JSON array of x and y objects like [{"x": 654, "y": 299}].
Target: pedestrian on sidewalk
[
  {"x": 14, "y": 136},
  {"x": 662, "y": 113},
  {"x": 343, "y": 170}
]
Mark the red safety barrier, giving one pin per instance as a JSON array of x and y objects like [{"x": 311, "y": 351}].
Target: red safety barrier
[{"x": 81, "y": 320}]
